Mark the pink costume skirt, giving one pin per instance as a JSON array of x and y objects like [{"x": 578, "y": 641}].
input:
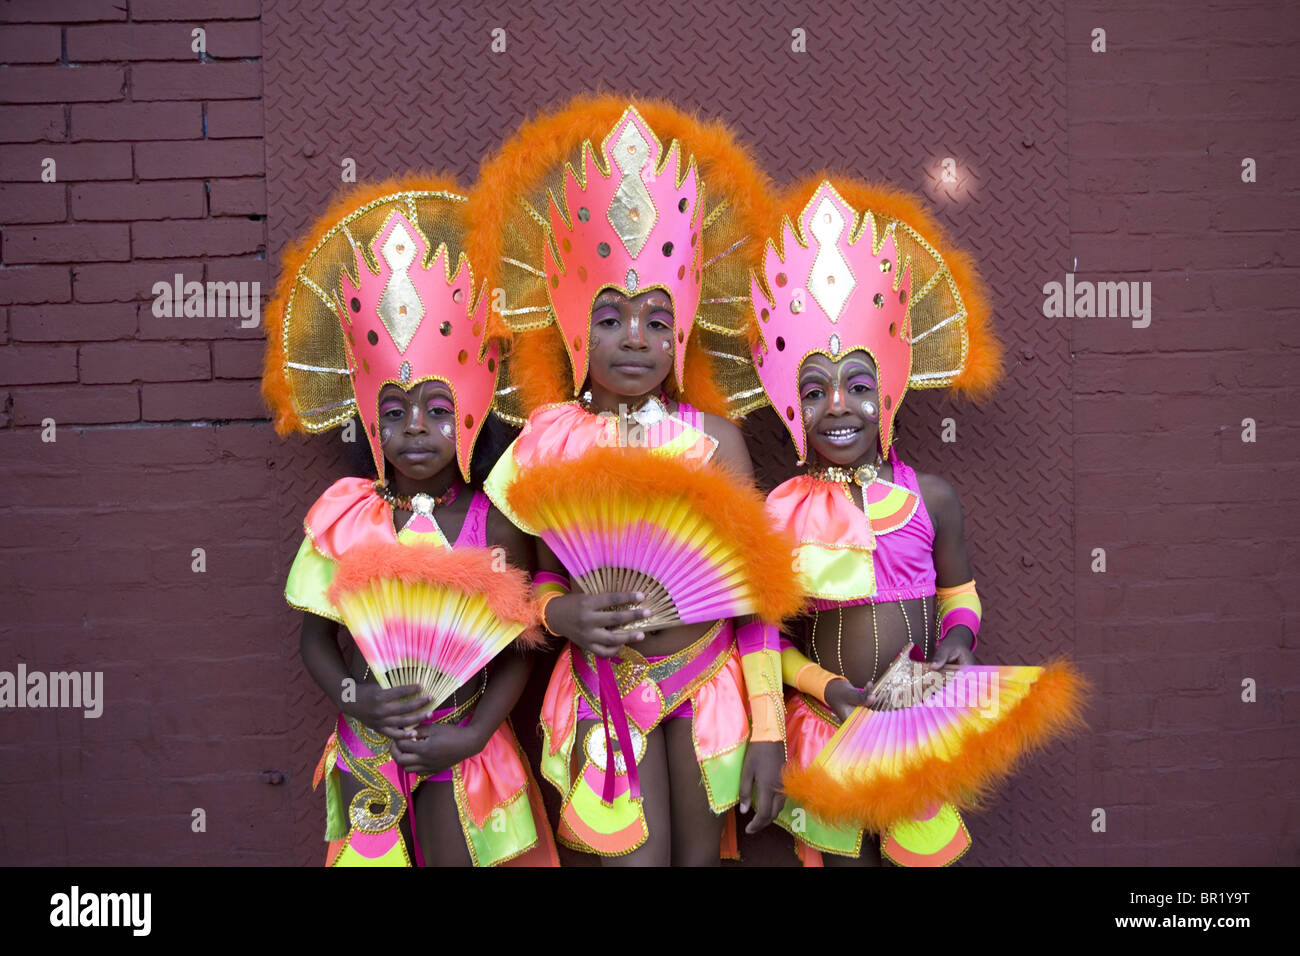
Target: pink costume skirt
[
  {"x": 600, "y": 812},
  {"x": 501, "y": 812},
  {"x": 936, "y": 840}
]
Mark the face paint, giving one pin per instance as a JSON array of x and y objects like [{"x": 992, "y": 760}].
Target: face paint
[
  {"x": 809, "y": 412},
  {"x": 385, "y": 434},
  {"x": 869, "y": 409},
  {"x": 446, "y": 429}
]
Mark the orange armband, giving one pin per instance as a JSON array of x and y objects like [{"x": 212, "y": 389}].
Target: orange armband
[{"x": 802, "y": 674}]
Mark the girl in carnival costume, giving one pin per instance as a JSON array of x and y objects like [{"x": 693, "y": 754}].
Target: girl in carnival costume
[
  {"x": 376, "y": 316},
  {"x": 620, "y": 237},
  {"x": 865, "y": 299}
]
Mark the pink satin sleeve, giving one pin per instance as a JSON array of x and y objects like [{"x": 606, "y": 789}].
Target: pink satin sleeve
[
  {"x": 818, "y": 512},
  {"x": 558, "y": 432},
  {"x": 348, "y": 514}
]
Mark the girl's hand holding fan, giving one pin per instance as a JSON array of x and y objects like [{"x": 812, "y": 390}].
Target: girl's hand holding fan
[
  {"x": 927, "y": 737},
  {"x": 843, "y": 698},
  {"x": 691, "y": 537},
  {"x": 392, "y": 711},
  {"x": 594, "y": 621},
  {"x": 430, "y": 616}
]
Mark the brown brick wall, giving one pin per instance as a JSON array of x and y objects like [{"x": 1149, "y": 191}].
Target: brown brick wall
[{"x": 1127, "y": 439}]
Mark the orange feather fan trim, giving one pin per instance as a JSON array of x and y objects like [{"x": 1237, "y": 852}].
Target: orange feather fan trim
[
  {"x": 984, "y": 360},
  {"x": 275, "y": 387},
  {"x": 470, "y": 570},
  {"x": 1052, "y": 710},
  {"x": 731, "y": 503},
  {"x": 540, "y": 365}
]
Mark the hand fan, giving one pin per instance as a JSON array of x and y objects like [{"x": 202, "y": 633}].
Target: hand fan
[
  {"x": 935, "y": 737},
  {"x": 692, "y": 536},
  {"x": 427, "y": 615}
]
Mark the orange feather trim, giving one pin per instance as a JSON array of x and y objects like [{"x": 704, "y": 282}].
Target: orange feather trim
[
  {"x": 984, "y": 360},
  {"x": 539, "y": 365},
  {"x": 730, "y": 501},
  {"x": 470, "y": 570},
  {"x": 1052, "y": 709},
  {"x": 275, "y": 386},
  {"x": 545, "y": 142}
]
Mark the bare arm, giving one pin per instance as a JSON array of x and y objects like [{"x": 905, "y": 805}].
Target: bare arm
[
  {"x": 951, "y": 563},
  {"x": 389, "y": 711},
  {"x": 760, "y": 774},
  {"x": 321, "y": 656},
  {"x": 732, "y": 452}
]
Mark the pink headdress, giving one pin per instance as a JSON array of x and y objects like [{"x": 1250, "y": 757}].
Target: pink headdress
[
  {"x": 630, "y": 222},
  {"x": 836, "y": 285},
  {"x": 380, "y": 291},
  {"x": 411, "y": 322}
]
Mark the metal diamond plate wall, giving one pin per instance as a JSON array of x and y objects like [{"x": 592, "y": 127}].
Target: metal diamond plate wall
[{"x": 965, "y": 107}]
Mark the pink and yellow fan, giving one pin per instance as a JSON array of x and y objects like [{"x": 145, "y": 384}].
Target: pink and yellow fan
[
  {"x": 427, "y": 615},
  {"x": 690, "y": 535},
  {"x": 935, "y": 737}
]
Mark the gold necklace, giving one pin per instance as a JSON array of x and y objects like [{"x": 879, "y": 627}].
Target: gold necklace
[
  {"x": 420, "y": 503},
  {"x": 862, "y": 476}
]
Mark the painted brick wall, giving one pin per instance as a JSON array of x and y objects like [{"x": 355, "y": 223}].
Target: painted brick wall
[
  {"x": 161, "y": 444},
  {"x": 159, "y": 168},
  {"x": 1201, "y": 531}
]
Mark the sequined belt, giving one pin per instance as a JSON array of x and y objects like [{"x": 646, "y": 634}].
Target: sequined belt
[
  {"x": 379, "y": 805},
  {"x": 664, "y": 684}
]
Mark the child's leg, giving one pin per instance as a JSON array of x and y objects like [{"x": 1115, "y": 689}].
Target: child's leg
[
  {"x": 653, "y": 771},
  {"x": 437, "y": 820},
  {"x": 696, "y": 829}
]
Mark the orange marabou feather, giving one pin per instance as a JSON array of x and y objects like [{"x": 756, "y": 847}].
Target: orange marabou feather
[
  {"x": 275, "y": 387},
  {"x": 731, "y": 502},
  {"x": 1052, "y": 709},
  {"x": 471, "y": 570}
]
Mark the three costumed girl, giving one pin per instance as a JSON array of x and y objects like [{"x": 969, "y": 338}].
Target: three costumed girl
[{"x": 636, "y": 314}]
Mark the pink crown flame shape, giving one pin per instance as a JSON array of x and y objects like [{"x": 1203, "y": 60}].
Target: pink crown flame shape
[
  {"x": 634, "y": 228},
  {"x": 835, "y": 288},
  {"x": 410, "y": 323}
]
